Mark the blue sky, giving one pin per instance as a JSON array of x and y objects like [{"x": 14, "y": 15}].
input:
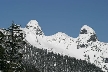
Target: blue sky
[{"x": 67, "y": 16}]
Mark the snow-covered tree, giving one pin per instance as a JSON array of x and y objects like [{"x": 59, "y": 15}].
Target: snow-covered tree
[{"x": 11, "y": 49}]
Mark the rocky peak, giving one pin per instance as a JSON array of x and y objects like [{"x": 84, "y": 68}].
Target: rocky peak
[
  {"x": 34, "y": 26},
  {"x": 88, "y": 32}
]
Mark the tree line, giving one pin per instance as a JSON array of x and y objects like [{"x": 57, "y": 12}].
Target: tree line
[{"x": 17, "y": 55}]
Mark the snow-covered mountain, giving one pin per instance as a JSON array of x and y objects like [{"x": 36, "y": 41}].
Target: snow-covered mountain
[{"x": 86, "y": 46}]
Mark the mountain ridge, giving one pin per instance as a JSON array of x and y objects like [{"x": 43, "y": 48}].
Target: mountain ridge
[{"x": 85, "y": 47}]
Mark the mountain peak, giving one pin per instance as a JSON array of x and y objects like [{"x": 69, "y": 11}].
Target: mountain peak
[
  {"x": 84, "y": 47},
  {"x": 87, "y": 30},
  {"x": 34, "y": 26},
  {"x": 32, "y": 23},
  {"x": 87, "y": 34}
]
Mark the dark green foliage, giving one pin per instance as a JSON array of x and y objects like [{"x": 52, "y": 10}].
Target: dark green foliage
[
  {"x": 31, "y": 68},
  {"x": 50, "y": 62},
  {"x": 11, "y": 50},
  {"x": 10, "y": 44},
  {"x": 17, "y": 55},
  {"x": 3, "y": 59}
]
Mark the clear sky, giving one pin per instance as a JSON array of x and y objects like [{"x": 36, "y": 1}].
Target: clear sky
[{"x": 67, "y": 16}]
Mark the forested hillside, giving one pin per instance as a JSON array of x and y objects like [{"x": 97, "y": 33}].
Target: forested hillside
[{"x": 17, "y": 55}]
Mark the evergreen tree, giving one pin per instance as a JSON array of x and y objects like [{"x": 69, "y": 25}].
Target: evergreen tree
[
  {"x": 3, "y": 61},
  {"x": 11, "y": 49}
]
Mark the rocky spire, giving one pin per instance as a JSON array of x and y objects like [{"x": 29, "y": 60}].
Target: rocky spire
[
  {"x": 86, "y": 30},
  {"x": 34, "y": 26}
]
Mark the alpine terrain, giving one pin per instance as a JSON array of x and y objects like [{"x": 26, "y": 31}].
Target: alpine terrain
[{"x": 59, "y": 52}]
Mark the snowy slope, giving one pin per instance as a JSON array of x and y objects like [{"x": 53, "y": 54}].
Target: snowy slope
[{"x": 86, "y": 46}]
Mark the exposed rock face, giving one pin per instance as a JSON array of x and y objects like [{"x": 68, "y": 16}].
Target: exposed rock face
[
  {"x": 34, "y": 26},
  {"x": 84, "y": 31},
  {"x": 86, "y": 46},
  {"x": 89, "y": 32}
]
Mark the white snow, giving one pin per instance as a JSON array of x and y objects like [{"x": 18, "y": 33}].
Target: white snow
[
  {"x": 89, "y": 29},
  {"x": 33, "y": 23},
  {"x": 66, "y": 45}
]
